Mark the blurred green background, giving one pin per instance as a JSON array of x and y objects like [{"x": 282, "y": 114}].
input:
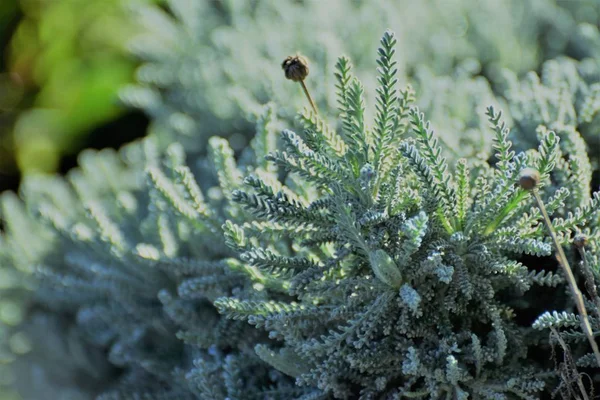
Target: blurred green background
[{"x": 61, "y": 64}]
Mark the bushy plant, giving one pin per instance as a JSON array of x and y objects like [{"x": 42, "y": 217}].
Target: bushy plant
[
  {"x": 404, "y": 280},
  {"x": 344, "y": 261}
]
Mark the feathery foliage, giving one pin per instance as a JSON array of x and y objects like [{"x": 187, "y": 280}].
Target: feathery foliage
[
  {"x": 369, "y": 279},
  {"x": 355, "y": 260}
]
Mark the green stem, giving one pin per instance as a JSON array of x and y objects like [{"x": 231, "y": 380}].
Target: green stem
[{"x": 505, "y": 212}]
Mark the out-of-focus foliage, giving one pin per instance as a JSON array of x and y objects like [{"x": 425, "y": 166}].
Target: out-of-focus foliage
[
  {"x": 211, "y": 64},
  {"x": 69, "y": 59},
  {"x": 102, "y": 176},
  {"x": 10, "y": 95},
  {"x": 8, "y": 9},
  {"x": 566, "y": 96}
]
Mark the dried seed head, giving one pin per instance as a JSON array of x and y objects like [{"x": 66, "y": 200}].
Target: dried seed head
[
  {"x": 529, "y": 178},
  {"x": 295, "y": 67},
  {"x": 580, "y": 240}
]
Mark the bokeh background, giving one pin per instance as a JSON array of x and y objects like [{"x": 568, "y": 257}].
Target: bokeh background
[{"x": 61, "y": 65}]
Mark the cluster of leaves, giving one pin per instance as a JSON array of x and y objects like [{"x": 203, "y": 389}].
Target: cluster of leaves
[
  {"x": 346, "y": 262},
  {"x": 397, "y": 256},
  {"x": 565, "y": 98}
]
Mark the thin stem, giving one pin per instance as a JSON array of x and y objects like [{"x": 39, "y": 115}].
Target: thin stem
[
  {"x": 414, "y": 395},
  {"x": 589, "y": 281},
  {"x": 562, "y": 260},
  {"x": 310, "y": 100},
  {"x": 568, "y": 356}
]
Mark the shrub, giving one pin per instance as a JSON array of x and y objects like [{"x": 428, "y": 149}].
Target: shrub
[{"x": 337, "y": 262}]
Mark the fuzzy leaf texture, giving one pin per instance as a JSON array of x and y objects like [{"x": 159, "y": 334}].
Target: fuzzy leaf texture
[{"x": 384, "y": 257}]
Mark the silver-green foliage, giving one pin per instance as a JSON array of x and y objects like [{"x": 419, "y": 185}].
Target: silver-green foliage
[
  {"x": 55, "y": 242},
  {"x": 370, "y": 265},
  {"x": 208, "y": 65},
  {"x": 132, "y": 259},
  {"x": 565, "y": 98},
  {"x": 393, "y": 257}
]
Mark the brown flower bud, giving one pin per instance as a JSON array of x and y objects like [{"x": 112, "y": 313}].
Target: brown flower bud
[
  {"x": 580, "y": 240},
  {"x": 529, "y": 178},
  {"x": 295, "y": 67}
]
